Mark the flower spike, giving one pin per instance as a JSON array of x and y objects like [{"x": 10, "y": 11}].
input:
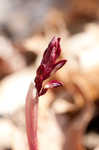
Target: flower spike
[{"x": 48, "y": 65}]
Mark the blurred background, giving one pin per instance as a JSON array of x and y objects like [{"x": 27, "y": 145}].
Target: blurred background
[{"x": 68, "y": 116}]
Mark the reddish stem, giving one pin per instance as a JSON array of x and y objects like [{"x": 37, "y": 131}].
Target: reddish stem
[{"x": 31, "y": 114}]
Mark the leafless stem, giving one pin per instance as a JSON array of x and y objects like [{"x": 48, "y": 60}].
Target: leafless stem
[{"x": 31, "y": 113}]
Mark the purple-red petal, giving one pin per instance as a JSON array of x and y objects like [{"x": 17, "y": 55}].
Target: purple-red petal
[
  {"x": 58, "y": 65},
  {"x": 52, "y": 52},
  {"x": 53, "y": 84},
  {"x": 50, "y": 85}
]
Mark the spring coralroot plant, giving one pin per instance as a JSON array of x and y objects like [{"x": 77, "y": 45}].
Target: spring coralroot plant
[{"x": 47, "y": 67}]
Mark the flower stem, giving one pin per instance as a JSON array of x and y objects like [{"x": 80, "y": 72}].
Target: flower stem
[{"x": 31, "y": 114}]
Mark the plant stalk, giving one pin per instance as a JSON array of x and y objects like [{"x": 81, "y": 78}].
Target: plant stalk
[{"x": 31, "y": 114}]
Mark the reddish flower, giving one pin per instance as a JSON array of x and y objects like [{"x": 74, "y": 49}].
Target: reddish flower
[{"x": 49, "y": 66}]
